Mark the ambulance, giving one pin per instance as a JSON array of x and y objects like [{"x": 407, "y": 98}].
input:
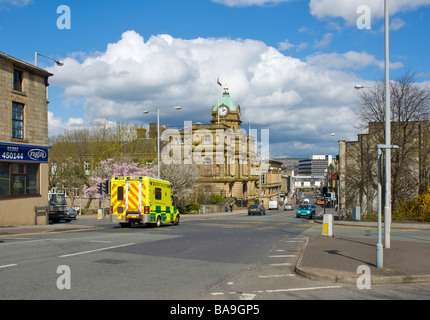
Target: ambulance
[{"x": 142, "y": 200}]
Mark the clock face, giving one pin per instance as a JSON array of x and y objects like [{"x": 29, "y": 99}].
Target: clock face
[{"x": 223, "y": 111}]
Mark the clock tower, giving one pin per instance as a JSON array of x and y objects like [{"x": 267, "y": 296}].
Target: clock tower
[{"x": 226, "y": 112}]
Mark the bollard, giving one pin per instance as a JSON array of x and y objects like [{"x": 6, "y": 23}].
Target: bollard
[
  {"x": 328, "y": 225},
  {"x": 100, "y": 214}
]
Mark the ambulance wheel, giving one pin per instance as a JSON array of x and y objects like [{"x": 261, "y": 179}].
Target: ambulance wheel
[
  {"x": 158, "y": 223},
  {"x": 176, "y": 222}
]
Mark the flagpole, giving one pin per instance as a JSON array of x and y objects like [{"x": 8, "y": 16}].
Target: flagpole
[{"x": 217, "y": 109}]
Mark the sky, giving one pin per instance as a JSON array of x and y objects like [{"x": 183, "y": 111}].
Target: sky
[{"x": 291, "y": 65}]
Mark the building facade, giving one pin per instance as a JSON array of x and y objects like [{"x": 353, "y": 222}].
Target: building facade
[
  {"x": 227, "y": 159},
  {"x": 315, "y": 165},
  {"x": 358, "y": 168},
  {"x": 24, "y": 143}
]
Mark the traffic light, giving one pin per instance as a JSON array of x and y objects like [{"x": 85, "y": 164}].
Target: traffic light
[
  {"x": 100, "y": 188},
  {"x": 105, "y": 187}
]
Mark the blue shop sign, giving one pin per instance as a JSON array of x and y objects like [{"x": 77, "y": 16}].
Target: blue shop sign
[{"x": 25, "y": 153}]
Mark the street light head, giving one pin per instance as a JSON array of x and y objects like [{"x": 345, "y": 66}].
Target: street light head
[
  {"x": 358, "y": 86},
  {"x": 59, "y": 63},
  {"x": 146, "y": 112},
  {"x": 178, "y": 108}
]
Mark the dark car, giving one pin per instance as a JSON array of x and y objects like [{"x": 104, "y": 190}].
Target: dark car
[
  {"x": 256, "y": 209},
  {"x": 71, "y": 215}
]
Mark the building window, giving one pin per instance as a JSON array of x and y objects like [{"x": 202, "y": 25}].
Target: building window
[
  {"x": 87, "y": 168},
  {"x": 17, "y": 120},
  {"x": 19, "y": 179},
  {"x": 17, "y": 80},
  {"x": 207, "y": 139}
]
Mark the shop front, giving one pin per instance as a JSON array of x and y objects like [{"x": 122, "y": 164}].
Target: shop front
[{"x": 23, "y": 183}]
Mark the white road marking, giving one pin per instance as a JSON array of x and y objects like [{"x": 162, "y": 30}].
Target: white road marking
[
  {"x": 100, "y": 241},
  {"x": 284, "y": 256},
  {"x": 277, "y": 276},
  {"x": 8, "y": 266},
  {"x": 19, "y": 242},
  {"x": 303, "y": 289},
  {"x": 97, "y": 250},
  {"x": 247, "y": 296},
  {"x": 280, "y": 264}
]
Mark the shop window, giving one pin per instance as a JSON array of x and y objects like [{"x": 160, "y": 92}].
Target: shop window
[{"x": 19, "y": 179}]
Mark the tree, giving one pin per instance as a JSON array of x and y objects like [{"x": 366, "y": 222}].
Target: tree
[
  {"x": 111, "y": 168},
  {"x": 182, "y": 176},
  {"x": 410, "y": 112}
]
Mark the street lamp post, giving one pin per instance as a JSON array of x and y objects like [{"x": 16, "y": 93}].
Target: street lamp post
[
  {"x": 379, "y": 247},
  {"x": 158, "y": 132},
  {"x": 387, "y": 208},
  {"x": 58, "y": 62},
  {"x": 387, "y": 220}
]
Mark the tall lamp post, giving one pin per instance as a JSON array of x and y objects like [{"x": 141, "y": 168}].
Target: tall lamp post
[
  {"x": 158, "y": 132},
  {"x": 387, "y": 146},
  {"x": 387, "y": 219},
  {"x": 57, "y": 62}
]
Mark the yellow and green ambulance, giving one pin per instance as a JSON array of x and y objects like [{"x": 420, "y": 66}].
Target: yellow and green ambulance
[{"x": 142, "y": 200}]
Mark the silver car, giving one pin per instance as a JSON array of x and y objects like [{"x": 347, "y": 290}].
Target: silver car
[{"x": 288, "y": 206}]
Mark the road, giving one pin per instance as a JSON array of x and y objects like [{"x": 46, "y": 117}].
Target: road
[{"x": 223, "y": 258}]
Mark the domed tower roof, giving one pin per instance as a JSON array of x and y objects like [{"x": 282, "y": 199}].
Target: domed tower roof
[{"x": 226, "y": 100}]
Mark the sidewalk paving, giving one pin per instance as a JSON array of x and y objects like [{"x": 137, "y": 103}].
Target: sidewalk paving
[{"x": 336, "y": 259}]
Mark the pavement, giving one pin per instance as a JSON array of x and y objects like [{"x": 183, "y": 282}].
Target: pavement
[
  {"x": 332, "y": 259},
  {"x": 337, "y": 259}
]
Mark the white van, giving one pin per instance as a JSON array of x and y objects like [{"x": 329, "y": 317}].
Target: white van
[{"x": 273, "y": 205}]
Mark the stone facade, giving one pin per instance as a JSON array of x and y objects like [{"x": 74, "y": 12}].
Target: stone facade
[
  {"x": 226, "y": 155},
  {"x": 23, "y": 127},
  {"x": 358, "y": 168}
]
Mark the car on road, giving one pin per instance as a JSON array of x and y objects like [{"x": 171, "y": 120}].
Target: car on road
[
  {"x": 256, "y": 209},
  {"x": 71, "y": 215},
  {"x": 288, "y": 206},
  {"x": 273, "y": 205},
  {"x": 304, "y": 210}
]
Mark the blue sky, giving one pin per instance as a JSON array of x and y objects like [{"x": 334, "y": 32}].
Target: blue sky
[{"x": 291, "y": 65}]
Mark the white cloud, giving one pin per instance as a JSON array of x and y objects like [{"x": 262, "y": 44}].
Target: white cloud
[
  {"x": 56, "y": 124},
  {"x": 291, "y": 97},
  {"x": 347, "y": 10},
  {"x": 245, "y": 3},
  {"x": 325, "y": 41},
  {"x": 350, "y": 60},
  {"x": 287, "y": 45},
  {"x": 18, "y": 3}
]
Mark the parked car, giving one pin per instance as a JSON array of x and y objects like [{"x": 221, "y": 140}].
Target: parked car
[
  {"x": 304, "y": 210},
  {"x": 256, "y": 209},
  {"x": 71, "y": 215},
  {"x": 288, "y": 206}
]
